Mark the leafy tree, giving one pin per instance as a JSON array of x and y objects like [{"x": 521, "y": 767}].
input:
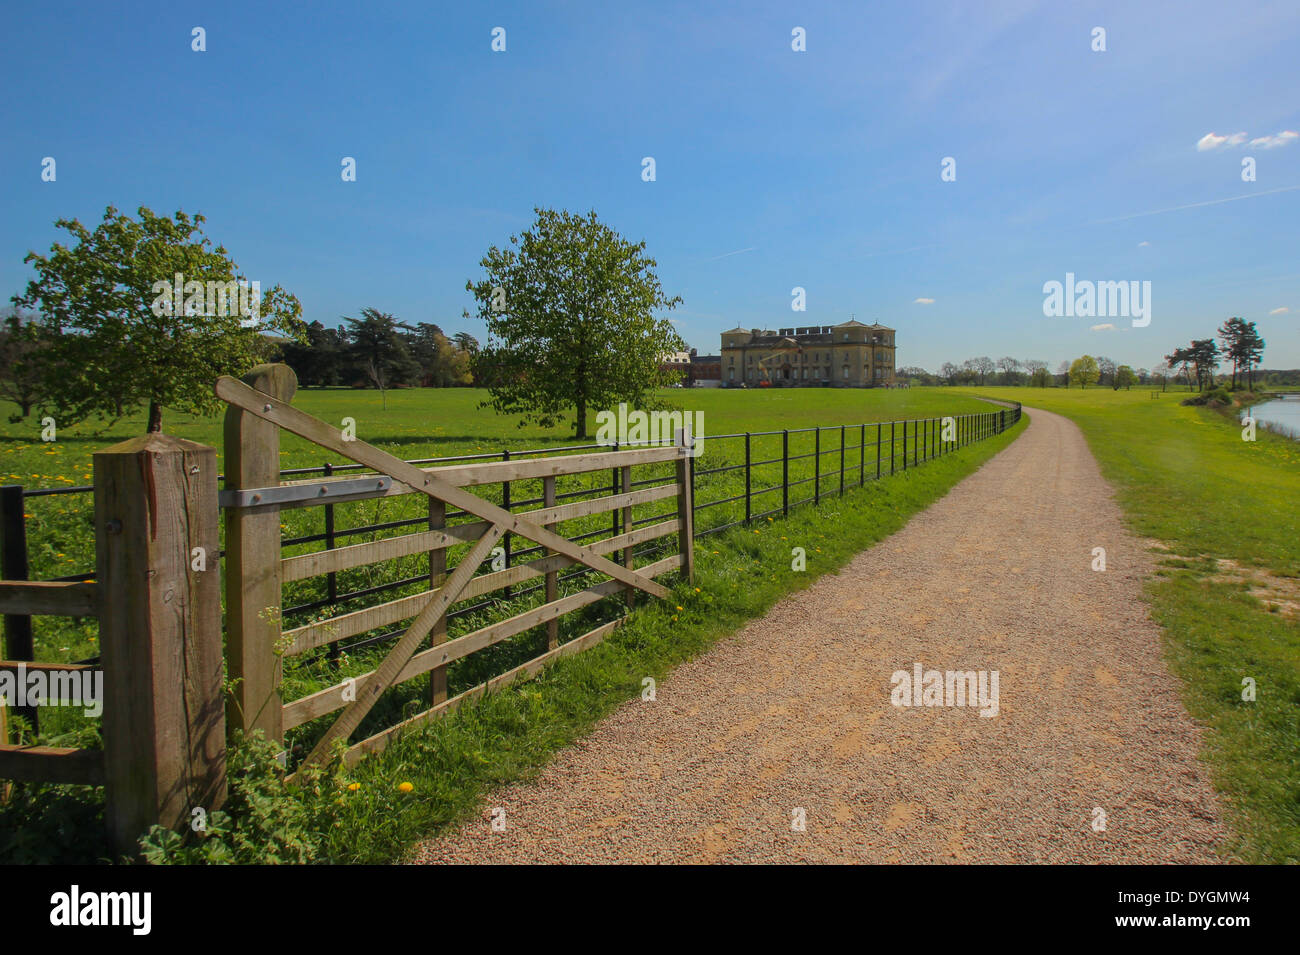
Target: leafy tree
[
  {"x": 1010, "y": 369},
  {"x": 20, "y": 372},
  {"x": 1204, "y": 356},
  {"x": 466, "y": 343},
  {"x": 1084, "y": 371},
  {"x": 1041, "y": 377},
  {"x": 1105, "y": 371},
  {"x": 321, "y": 359},
  {"x": 378, "y": 347},
  {"x": 1124, "y": 378},
  {"x": 117, "y": 340},
  {"x": 1063, "y": 373},
  {"x": 569, "y": 308}
]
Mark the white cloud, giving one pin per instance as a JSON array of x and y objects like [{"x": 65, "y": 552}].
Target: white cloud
[
  {"x": 923, "y": 301},
  {"x": 1143, "y": 245},
  {"x": 1212, "y": 141},
  {"x": 1280, "y": 311},
  {"x": 1284, "y": 138},
  {"x": 1107, "y": 327}
]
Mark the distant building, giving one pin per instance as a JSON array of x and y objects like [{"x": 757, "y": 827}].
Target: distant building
[
  {"x": 679, "y": 362},
  {"x": 850, "y": 355},
  {"x": 706, "y": 370}
]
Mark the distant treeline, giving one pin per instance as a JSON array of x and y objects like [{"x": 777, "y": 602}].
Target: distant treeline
[{"x": 379, "y": 351}]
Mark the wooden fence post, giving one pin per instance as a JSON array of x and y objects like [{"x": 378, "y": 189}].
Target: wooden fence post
[
  {"x": 685, "y": 505},
  {"x": 552, "y": 577},
  {"x": 253, "y": 592},
  {"x": 158, "y": 573},
  {"x": 438, "y": 577}
]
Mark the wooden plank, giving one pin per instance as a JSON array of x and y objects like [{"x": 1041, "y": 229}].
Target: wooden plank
[
  {"x": 159, "y": 633},
  {"x": 372, "y": 552},
  {"x": 391, "y": 548},
  {"x": 48, "y": 667},
  {"x": 291, "y": 419},
  {"x": 325, "y": 701},
  {"x": 253, "y": 585},
  {"x": 53, "y": 598},
  {"x": 379, "y": 742},
  {"x": 321, "y": 632},
  {"x": 397, "y": 658},
  {"x": 686, "y": 517},
  {"x": 52, "y": 764}
]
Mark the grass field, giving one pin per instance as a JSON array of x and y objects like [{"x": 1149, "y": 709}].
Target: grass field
[
  {"x": 741, "y": 572},
  {"x": 1228, "y": 595}
]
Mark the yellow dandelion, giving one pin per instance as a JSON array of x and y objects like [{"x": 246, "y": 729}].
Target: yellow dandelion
[
  {"x": 405, "y": 787},
  {"x": 353, "y": 787}
]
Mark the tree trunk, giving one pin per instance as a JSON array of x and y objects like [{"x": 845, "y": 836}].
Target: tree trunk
[
  {"x": 155, "y": 417},
  {"x": 580, "y": 407}
]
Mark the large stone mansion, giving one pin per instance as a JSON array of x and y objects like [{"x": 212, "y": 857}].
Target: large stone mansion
[{"x": 850, "y": 355}]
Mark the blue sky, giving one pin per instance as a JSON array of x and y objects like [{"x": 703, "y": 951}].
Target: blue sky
[{"x": 775, "y": 168}]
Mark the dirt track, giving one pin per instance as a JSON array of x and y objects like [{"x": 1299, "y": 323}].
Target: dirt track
[{"x": 794, "y": 711}]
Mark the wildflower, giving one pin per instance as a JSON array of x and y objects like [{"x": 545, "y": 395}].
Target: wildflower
[
  {"x": 353, "y": 787},
  {"x": 679, "y": 608},
  {"x": 405, "y": 787}
]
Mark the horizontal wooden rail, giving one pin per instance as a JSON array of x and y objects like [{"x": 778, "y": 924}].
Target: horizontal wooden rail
[
  {"x": 46, "y": 667},
  {"x": 52, "y": 764},
  {"x": 49, "y": 598},
  {"x": 391, "y": 548},
  {"x": 318, "y": 634},
  {"x": 330, "y": 699}
]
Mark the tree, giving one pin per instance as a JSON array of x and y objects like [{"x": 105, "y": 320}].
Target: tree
[
  {"x": 1105, "y": 371},
  {"x": 378, "y": 347},
  {"x": 1010, "y": 369},
  {"x": 20, "y": 372},
  {"x": 949, "y": 372},
  {"x": 983, "y": 366},
  {"x": 1124, "y": 378},
  {"x": 1084, "y": 371},
  {"x": 569, "y": 308},
  {"x": 1204, "y": 356},
  {"x": 466, "y": 343},
  {"x": 321, "y": 359},
  {"x": 1063, "y": 373},
  {"x": 1252, "y": 350},
  {"x": 121, "y": 335},
  {"x": 1041, "y": 377}
]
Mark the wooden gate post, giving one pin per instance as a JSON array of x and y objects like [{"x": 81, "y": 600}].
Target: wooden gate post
[
  {"x": 685, "y": 502},
  {"x": 253, "y": 583},
  {"x": 157, "y": 571}
]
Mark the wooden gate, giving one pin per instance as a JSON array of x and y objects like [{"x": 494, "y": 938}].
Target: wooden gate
[{"x": 255, "y": 571}]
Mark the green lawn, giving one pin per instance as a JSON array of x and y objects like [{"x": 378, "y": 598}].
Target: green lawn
[{"x": 1184, "y": 476}]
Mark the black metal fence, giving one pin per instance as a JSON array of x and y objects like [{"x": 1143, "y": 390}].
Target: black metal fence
[{"x": 879, "y": 450}]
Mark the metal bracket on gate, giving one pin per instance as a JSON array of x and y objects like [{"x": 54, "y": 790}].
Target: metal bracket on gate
[{"x": 298, "y": 494}]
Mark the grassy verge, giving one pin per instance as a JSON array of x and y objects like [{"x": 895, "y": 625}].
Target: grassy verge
[
  {"x": 1228, "y": 591},
  {"x": 450, "y": 765}
]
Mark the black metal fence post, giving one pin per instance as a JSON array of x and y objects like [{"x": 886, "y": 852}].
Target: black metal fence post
[
  {"x": 817, "y": 466},
  {"x": 904, "y": 445},
  {"x": 505, "y": 502},
  {"x": 13, "y": 566},
  {"x": 842, "y": 433},
  {"x": 331, "y": 579},
  {"x": 891, "y": 449},
  {"x": 862, "y": 457},
  {"x": 748, "y": 480},
  {"x": 785, "y": 472},
  {"x": 879, "y": 428}
]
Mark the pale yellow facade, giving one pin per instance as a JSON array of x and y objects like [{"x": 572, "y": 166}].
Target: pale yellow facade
[{"x": 850, "y": 355}]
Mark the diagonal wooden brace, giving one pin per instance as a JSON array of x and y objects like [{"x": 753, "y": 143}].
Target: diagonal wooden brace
[
  {"x": 397, "y": 658},
  {"x": 304, "y": 425}
]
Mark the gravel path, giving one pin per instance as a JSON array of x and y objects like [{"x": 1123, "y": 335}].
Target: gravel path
[{"x": 794, "y": 711}]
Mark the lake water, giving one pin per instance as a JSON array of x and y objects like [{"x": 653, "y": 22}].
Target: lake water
[{"x": 1281, "y": 414}]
